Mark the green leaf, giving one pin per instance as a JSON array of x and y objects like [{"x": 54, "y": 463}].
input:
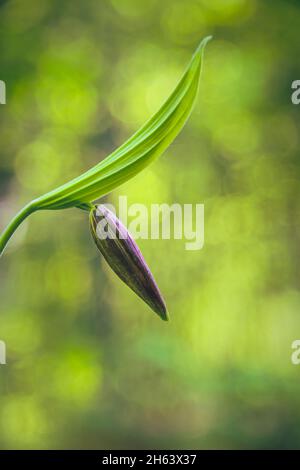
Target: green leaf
[{"x": 148, "y": 143}]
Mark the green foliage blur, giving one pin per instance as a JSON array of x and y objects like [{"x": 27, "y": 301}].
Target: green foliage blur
[{"x": 88, "y": 364}]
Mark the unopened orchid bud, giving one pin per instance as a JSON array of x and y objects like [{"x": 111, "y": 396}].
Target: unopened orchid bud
[{"x": 125, "y": 258}]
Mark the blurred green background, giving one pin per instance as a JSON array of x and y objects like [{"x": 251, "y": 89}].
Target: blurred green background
[{"x": 88, "y": 364}]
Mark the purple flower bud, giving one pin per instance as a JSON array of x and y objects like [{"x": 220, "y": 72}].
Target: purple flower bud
[{"x": 125, "y": 258}]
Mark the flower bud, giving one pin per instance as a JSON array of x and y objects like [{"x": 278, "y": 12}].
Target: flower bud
[{"x": 125, "y": 258}]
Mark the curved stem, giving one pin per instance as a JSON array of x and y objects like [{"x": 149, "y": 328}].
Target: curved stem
[{"x": 14, "y": 224}]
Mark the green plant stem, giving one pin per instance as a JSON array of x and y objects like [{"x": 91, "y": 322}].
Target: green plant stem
[{"x": 14, "y": 224}]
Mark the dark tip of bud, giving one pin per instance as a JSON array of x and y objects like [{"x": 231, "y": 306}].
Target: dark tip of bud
[{"x": 125, "y": 258}]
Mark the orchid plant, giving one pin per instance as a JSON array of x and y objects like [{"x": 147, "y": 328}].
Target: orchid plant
[{"x": 148, "y": 143}]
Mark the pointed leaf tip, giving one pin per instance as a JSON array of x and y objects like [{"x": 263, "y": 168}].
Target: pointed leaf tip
[{"x": 147, "y": 144}]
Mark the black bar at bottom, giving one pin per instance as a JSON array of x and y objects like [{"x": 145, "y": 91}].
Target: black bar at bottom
[{"x": 138, "y": 458}]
